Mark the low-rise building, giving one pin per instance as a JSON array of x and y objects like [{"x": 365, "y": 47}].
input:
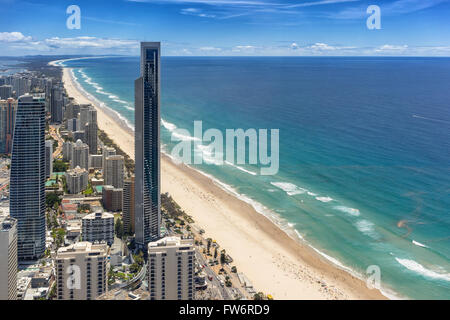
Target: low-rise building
[{"x": 98, "y": 226}]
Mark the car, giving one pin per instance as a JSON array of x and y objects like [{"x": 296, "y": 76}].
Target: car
[{"x": 210, "y": 278}]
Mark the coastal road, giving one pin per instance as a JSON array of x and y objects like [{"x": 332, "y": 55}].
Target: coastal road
[
  {"x": 211, "y": 274},
  {"x": 53, "y": 131}
]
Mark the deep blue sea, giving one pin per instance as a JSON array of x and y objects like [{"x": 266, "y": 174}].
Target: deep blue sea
[{"x": 364, "y": 150}]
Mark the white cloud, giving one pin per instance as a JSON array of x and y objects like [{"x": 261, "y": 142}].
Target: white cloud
[
  {"x": 13, "y": 37},
  {"x": 91, "y": 42},
  {"x": 210, "y": 49},
  {"x": 294, "y": 46},
  {"x": 321, "y": 47},
  {"x": 390, "y": 48}
]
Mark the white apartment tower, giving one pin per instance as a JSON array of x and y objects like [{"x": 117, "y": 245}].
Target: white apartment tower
[
  {"x": 98, "y": 226},
  {"x": 171, "y": 269},
  {"x": 8, "y": 258},
  {"x": 81, "y": 271}
]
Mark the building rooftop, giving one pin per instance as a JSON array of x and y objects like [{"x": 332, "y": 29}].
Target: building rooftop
[
  {"x": 98, "y": 215},
  {"x": 170, "y": 242}
]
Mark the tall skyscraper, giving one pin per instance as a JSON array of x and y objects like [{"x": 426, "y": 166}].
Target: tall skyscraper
[
  {"x": 90, "y": 131},
  {"x": 27, "y": 180},
  {"x": 8, "y": 110},
  {"x": 57, "y": 103},
  {"x": 128, "y": 206},
  {"x": 147, "y": 147},
  {"x": 8, "y": 258},
  {"x": 48, "y": 158}
]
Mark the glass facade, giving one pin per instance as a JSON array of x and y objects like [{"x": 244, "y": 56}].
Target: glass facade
[
  {"x": 27, "y": 181},
  {"x": 147, "y": 148}
]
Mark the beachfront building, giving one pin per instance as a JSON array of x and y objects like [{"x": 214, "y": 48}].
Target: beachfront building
[
  {"x": 170, "y": 274},
  {"x": 112, "y": 198},
  {"x": 106, "y": 152},
  {"x": 27, "y": 180},
  {"x": 48, "y": 158},
  {"x": 8, "y": 110},
  {"x": 76, "y": 180},
  {"x": 80, "y": 155},
  {"x": 113, "y": 171},
  {"x": 81, "y": 271},
  {"x": 147, "y": 146},
  {"x": 98, "y": 226},
  {"x": 128, "y": 206},
  {"x": 8, "y": 258}
]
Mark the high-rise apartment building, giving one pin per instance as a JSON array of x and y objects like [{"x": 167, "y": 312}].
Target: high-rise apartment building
[
  {"x": 113, "y": 171},
  {"x": 170, "y": 273},
  {"x": 112, "y": 198},
  {"x": 27, "y": 180},
  {"x": 48, "y": 158},
  {"x": 76, "y": 180},
  {"x": 57, "y": 103},
  {"x": 147, "y": 146},
  {"x": 80, "y": 155},
  {"x": 81, "y": 271},
  {"x": 128, "y": 206},
  {"x": 8, "y": 258},
  {"x": 5, "y": 91},
  {"x": 8, "y": 110}
]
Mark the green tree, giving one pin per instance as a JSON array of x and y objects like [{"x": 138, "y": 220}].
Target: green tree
[
  {"x": 119, "y": 228},
  {"x": 223, "y": 257},
  {"x": 259, "y": 296},
  {"x": 51, "y": 199},
  {"x": 215, "y": 253}
]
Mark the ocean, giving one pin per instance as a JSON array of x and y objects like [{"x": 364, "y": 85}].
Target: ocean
[{"x": 364, "y": 174}]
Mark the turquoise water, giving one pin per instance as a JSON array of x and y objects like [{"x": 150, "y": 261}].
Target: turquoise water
[{"x": 364, "y": 150}]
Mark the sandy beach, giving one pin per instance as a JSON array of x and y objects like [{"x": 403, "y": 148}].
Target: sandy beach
[{"x": 274, "y": 262}]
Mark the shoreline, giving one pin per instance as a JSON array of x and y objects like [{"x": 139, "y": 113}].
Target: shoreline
[{"x": 287, "y": 269}]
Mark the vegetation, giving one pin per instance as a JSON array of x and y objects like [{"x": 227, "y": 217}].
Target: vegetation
[
  {"x": 88, "y": 190},
  {"x": 58, "y": 235},
  {"x": 223, "y": 257},
  {"x": 119, "y": 228},
  {"x": 173, "y": 210},
  {"x": 234, "y": 269},
  {"x": 60, "y": 166},
  {"x": 51, "y": 199},
  {"x": 259, "y": 296},
  {"x": 129, "y": 163},
  {"x": 138, "y": 262}
]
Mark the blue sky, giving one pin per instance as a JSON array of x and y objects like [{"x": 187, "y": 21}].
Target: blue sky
[{"x": 227, "y": 27}]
